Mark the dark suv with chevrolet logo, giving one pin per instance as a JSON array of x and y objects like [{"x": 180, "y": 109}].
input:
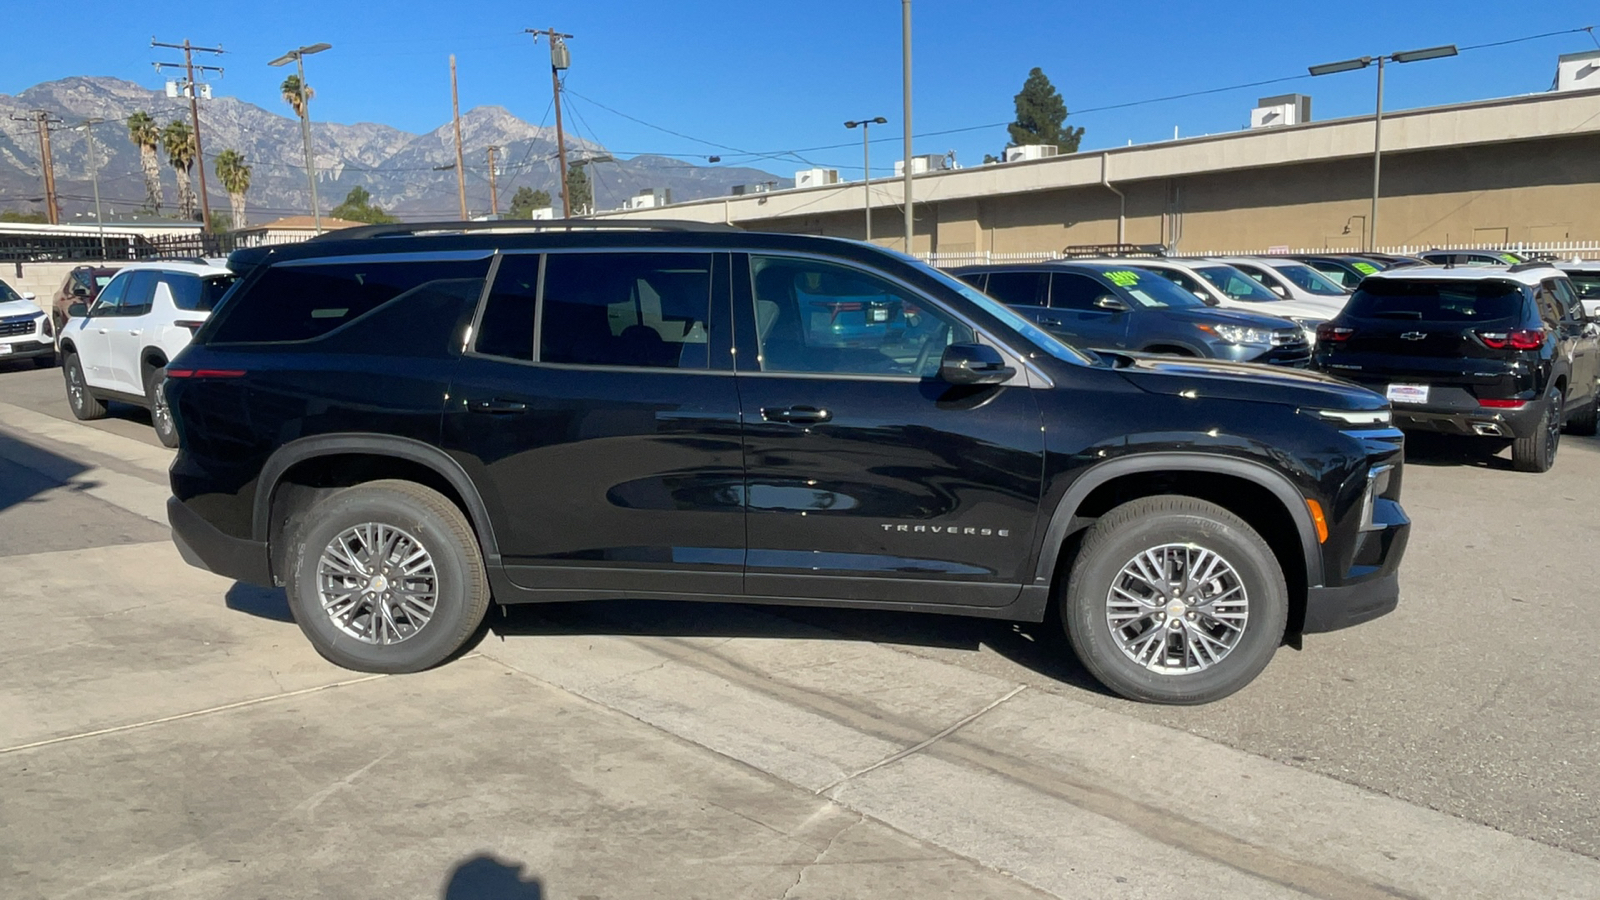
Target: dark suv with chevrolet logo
[
  {"x": 402, "y": 424},
  {"x": 1497, "y": 352}
]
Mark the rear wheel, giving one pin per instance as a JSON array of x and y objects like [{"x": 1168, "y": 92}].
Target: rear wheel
[
  {"x": 1537, "y": 451},
  {"x": 1175, "y": 600},
  {"x": 155, "y": 394},
  {"x": 387, "y": 577},
  {"x": 85, "y": 406}
]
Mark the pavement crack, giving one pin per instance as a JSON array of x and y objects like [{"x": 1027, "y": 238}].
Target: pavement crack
[
  {"x": 924, "y": 744},
  {"x": 801, "y": 875}
]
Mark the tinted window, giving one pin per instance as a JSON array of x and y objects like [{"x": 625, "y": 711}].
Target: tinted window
[
  {"x": 1237, "y": 284},
  {"x": 506, "y": 326},
  {"x": 1549, "y": 304},
  {"x": 1069, "y": 290},
  {"x": 1336, "y": 273},
  {"x": 302, "y": 302},
  {"x": 195, "y": 294},
  {"x": 110, "y": 297},
  {"x": 139, "y": 294},
  {"x": 1310, "y": 279},
  {"x": 1436, "y": 301},
  {"x": 1018, "y": 288},
  {"x": 625, "y": 309},
  {"x": 1568, "y": 298},
  {"x": 814, "y": 316},
  {"x": 1587, "y": 284},
  {"x": 1183, "y": 281},
  {"x": 7, "y": 294}
]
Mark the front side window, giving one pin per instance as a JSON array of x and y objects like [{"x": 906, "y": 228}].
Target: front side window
[
  {"x": 111, "y": 297},
  {"x": 1336, "y": 273},
  {"x": 1069, "y": 290},
  {"x": 140, "y": 293},
  {"x": 1237, "y": 284},
  {"x": 1018, "y": 288},
  {"x": 1568, "y": 299},
  {"x": 1309, "y": 279},
  {"x": 302, "y": 302},
  {"x": 821, "y": 317}
]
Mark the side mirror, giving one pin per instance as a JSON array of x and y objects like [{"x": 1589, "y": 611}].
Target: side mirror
[
  {"x": 1280, "y": 290},
  {"x": 79, "y": 290},
  {"x": 29, "y": 295},
  {"x": 78, "y": 310},
  {"x": 1111, "y": 303},
  {"x": 966, "y": 364}
]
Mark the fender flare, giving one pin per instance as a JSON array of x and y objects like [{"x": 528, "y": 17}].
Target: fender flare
[
  {"x": 1265, "y": 476},
  {"x": 408, "y": 449}
]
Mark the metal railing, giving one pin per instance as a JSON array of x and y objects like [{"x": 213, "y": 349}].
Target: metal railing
[{"x": 1559, "y": 249}]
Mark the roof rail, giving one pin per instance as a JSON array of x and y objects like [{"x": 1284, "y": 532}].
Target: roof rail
[
  {"x": 1135, "y": 250},
  {"x": 1534, "y": 264},
  {"x": 414, "y": 229}
]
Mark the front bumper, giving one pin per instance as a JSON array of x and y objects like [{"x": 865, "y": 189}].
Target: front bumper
[
  {"x": 30, "y": 347},
  {"x": 1333, "y": 608},
  {"x": 1296, "y": 355},
  {"x": 204, "y": 547}
]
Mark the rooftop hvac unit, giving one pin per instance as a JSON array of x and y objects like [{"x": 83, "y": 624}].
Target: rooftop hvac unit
[
  {"x": 919, "y": 164},
  {"x": 1578, "y": 71},
  {"x": 1026, "y": 152},
  {"x": 1286, "y": 109},
  {"x": 815, "y": 177}
]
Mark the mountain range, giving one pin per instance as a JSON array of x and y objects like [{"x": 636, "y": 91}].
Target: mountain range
[{"x": 409, "y": 175}]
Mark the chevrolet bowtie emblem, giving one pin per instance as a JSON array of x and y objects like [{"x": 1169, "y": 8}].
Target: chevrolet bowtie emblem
[{"x": 1414, "y": 335}]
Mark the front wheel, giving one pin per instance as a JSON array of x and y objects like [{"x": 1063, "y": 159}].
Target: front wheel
[
  {"x": 1175, "y": 600},
  {"x": 1537, "y": 451},
  {"x": 387, "y": 577},
  {"x": 85, "y": 405}
]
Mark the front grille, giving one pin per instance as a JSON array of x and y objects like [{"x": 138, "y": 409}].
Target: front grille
[
  {"x": 12, "y": 327},
  {"x": 1294, "y": 352}
]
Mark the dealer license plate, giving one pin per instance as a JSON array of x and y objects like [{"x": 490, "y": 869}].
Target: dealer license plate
[
  {"x": 5, "y": 349},
  {"x": 1408, "y": 393}
]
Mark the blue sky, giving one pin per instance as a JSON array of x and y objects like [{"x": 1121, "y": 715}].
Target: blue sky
[{"x": 767, "y": 77}]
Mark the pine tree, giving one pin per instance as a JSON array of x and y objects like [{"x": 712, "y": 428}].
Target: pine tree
[
  {"x": 358, "y": 207},
  {"x": 526, "y": 200},
  {"x": 580, "y": 192},
  {"x": 1041, "y": 115}
]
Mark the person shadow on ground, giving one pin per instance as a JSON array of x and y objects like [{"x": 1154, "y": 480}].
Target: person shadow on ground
[{"x": 486, "y": 877}]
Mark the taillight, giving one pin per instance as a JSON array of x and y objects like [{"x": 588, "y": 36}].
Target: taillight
[
  {"x": 1502, "y": 404},
  {"x": 1521, "y": 339},
  {"x": 192, "y": 324},
  {"x": 1328, "y": 331}
]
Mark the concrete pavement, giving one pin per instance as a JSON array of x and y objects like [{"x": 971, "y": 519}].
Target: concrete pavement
[{"x": 165, "y": 732}]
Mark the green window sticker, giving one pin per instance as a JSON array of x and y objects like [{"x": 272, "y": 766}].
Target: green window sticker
[
  {"x": 1365, "y": 268},
  {"x": 1123, "y": 278},
  {"x": 1509, "y": 259}
]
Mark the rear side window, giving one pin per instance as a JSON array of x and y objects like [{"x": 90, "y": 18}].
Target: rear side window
[
  {"x": 1436, "y": 301},
  {"x": 1018, "y": 288},
  {"x": 195, "y": 294},
  {"x": 301, "y": 302}
]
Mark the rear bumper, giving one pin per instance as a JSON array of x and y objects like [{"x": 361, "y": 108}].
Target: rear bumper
[
  {"x": 1480, "y": 421},
  {"x": 204, "y": 547}
]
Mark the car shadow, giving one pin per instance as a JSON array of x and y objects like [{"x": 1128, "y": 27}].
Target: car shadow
[
  {"x": 38, "y": 471},
  {"x": 261, "y": 602},
  {"x": 1429, "y": 449},
  {"x": 1039, "y": 646}
]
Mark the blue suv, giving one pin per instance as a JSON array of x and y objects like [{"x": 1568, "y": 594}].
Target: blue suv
[{"x": 1110, "y": 306}]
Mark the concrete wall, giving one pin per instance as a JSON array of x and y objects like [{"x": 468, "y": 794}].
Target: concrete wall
[{"x": 40, "y": 278}]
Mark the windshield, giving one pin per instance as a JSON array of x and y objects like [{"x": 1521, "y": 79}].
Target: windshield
[
  {"x": 1237, "y": 284},
  {"x": 1586, "y": 283},
  {"x": 1044, "y": 340},
  {"x": 1451, "y": 300},
  {"x": 1309, "y": 279},
  {"x": 7, "y": 294},
  {"x": 1151, "y": 290}
]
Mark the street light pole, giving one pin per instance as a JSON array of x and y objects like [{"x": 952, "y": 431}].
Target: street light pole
[
  {"x": 297, "y": 56},
  {"x": 905, "y": 79},
  {"x": 866, "y": 165},
  {"x": 1362, "y": 62},
  {"x": 94, "y": 176}
]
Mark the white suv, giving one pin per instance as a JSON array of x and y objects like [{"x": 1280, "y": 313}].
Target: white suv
[
  {"x": 1291, "y": 279},
  {"x": 118, "y": 348},
  {"x": 1220, "y": 284},
  {"x": 24, "y": 329}
]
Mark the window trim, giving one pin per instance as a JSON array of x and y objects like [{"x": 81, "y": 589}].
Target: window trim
[{"x": 1028, "y": 373}]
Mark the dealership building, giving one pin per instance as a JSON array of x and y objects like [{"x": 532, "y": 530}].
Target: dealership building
[{"x": 1513, "y": 171}]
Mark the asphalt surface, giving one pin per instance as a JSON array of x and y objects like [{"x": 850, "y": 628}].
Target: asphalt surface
[{"x": 1474, "y": 699}]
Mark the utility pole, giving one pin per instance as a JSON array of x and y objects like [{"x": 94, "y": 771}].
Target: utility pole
[
  {"x": 298, "y": 57},
  {"x": 43, "y": 121},
  {"x": 192, "y": 89},
  {"x": 905, "y": 62},
  {"x": 494, "y": 193},
  {"x": 560, "y": 58},
  {"x": 461, "y": 170},
  {"x": 94, "y": 176}
]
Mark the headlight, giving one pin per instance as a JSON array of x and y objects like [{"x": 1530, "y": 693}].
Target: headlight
[
  {"x": 1357, "y": 416},
  {"x": 1377, "y": 486},
  {"x": 1238, "y": 334}
]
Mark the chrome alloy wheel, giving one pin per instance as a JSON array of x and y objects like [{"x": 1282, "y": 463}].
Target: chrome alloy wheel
[
  {"x": 377, "y": 583},
  {"x": 160, "y": 412},
  {"x": 75, "y": 386},
  {"x": 1177, "y": 609}
]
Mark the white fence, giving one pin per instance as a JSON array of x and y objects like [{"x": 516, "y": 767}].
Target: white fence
[{"x": 1560, "y": 249}]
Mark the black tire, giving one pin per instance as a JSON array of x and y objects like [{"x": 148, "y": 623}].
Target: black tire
[
  {"x": 437, "y": 526},
  {"x": 1537, "y": 451},
  {"x": 160, "y": 414},
  {"x": 1586, "y": 422},
  {"x": 85, "y": 405},
  {"x": 1149, "y": 523}
]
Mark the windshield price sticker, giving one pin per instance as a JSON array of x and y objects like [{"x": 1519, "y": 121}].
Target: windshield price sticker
[{"x": 1123, "y": 278}]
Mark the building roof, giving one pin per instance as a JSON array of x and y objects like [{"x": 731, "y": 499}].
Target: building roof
[{"x": 306, "y": 223}]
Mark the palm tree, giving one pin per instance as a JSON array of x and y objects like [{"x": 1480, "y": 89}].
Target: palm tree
[
  {"x": 178, "y": 140},
  {"x": 291, "y": 95},
  {"x": 146, "y": 136},
  {"x": 235, "y": 178}
]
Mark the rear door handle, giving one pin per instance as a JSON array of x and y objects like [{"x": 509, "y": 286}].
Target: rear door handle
[
  {"x": 496, "y": 406},
  {"x": 1050, "y": 320},
  {"x": 796, "y": 415}
]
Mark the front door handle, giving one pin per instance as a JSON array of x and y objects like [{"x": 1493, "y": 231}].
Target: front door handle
[
  {"x": 136, "y": 332},
  {"x": 1050, "y": 321},
  {"x": 796, "y": 415},
  {"x": 496, "y": 406}
]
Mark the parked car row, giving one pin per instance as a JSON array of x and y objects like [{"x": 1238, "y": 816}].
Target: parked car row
[{"x": 26, "y": 332}]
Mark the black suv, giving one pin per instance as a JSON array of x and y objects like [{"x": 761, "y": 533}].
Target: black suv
[
  {"x": 400, "y": 423},
  {"x": 1119, "y": 306},
  {"x": 1495, "y": 352}
]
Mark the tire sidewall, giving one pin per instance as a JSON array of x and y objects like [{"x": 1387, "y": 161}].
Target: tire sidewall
[
  {"x": 1084, "y": 609},
  {"x": 75, "y": 368},
  {"x": 153, "y": 383},
  {"x": 355, "y": 506}
]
